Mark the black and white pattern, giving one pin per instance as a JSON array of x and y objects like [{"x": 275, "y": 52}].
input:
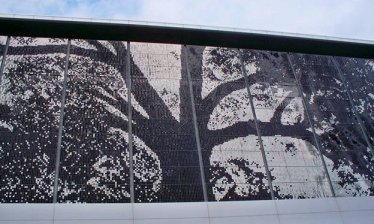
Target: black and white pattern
[
  {"x": 95, "y": 161},
  {"x": 160, "y": 87},
  {"x": 94, "y": 164},
  {"x": 348, "y": 158},
  {"x": 30, "y": 102},
  {"x": 233, "y": 162},
  {"x": 359, "y": 76},
  {"x": 2, "y": 47},
  {"x": 294, "y": 162}
]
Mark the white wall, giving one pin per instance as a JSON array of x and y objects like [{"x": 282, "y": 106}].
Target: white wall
[{"x": 358, "y": 210}]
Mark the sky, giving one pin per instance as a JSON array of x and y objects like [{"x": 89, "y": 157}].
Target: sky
[{"x": 337, "y": 18}]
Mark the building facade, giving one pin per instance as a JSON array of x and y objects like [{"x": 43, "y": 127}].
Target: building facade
[{"x": 98, "y": 121}]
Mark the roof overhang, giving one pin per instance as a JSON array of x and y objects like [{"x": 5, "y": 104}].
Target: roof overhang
[{"x": 109, "y": 30}]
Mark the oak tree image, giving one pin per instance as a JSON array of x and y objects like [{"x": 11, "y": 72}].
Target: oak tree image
[{"x": 306, "y": 123}]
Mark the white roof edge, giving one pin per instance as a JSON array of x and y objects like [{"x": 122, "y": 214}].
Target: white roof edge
[{"x": 177, "y": 25}]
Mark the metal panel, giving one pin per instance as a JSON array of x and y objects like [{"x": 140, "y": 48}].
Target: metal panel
[
  {"x": 231, "y": 154},
  {"x": 345, "y": 150},
  {"x": 30, "y": 97},
  {"x": 94, "y": 151},
  {"x": 293, "y": 159},
  {"x": 166, "y": 164}
]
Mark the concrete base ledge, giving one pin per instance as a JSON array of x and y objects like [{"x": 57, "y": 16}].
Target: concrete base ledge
[{"x": 327, "y": 210}]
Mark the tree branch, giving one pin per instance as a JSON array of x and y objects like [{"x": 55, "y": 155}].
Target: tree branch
[
  {"x": 121, "y": 104},
  {"x": 99, "y": 46},
  {"x": 147, "y": 96},
  {"x": 184, "y": 92},
  {"x": 52, "y": 49},
  {"x": 104, "y": 57},
  {"x": 195, "y": 59},
  {"x": 119, "y": 47},
  {"x": 272, "y": 129},
  {"x": 243, "y": 129},
  {"x": 280, "y": 109},
  {"x": 217, "y": 137},
  {"x": 214, "y": 97},
  {"x": 34, "y": 50},
  {"x": 151, "y": 98}
]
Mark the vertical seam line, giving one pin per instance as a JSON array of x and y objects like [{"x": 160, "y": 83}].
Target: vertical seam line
[
  {"x": 194, "y": 117},
  {"x": 311, "y": 125},
  {"x": 340, "y": 73},
  {"x": 130, "y": 145},
  {"x": 4, "y": 58},
  {"x": 61, "y": 123},
  {"x": 244, "y": 73}
]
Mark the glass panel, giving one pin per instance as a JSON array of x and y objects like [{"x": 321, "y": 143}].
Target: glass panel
[
  {"x": 293, "y": 159},
  {"x": 347, "y": 156},
  {"x": 232, "y": 157},
  {"x": 359, "y": 75},
  {"x": 30, "y": 95},
  {"x": 166, "y": 165},
  {"x": 94, "y": 153}
]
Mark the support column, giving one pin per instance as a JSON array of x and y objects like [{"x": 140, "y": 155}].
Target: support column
[
  {"x": 194, "y": 117},
  {"x": 346, "y": 88},
  {"x": 61, "y": 123},
  {"x": 311, "y": 124},
  {"x": 131, "y": 153},
  {"x": 244, "y": 73}
]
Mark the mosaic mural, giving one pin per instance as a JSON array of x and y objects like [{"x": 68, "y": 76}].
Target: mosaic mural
[
  {"x": 348, "y": 156},
  {"x": 293, "y": 159},
  {"x": 94, "y": 165},
  {"x": 163, "y": 124},
  {"x": 30, "y": 102},
  {"x": 302, "y": 119},
  {"x": 233, "y": 163}
]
